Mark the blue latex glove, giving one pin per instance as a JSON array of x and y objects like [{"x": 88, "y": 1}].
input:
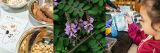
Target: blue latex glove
[{"x": 114, "y": 31}]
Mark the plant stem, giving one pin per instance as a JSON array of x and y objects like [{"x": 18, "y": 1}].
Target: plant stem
[
  {"x": 84, "y": 40},
  {"x": 68, "y": 17},
  {"x": 99, "y": 43}
]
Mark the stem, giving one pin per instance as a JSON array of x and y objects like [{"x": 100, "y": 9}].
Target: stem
[
  {"x": 68, "y": 17},
  {"x": 84, "y": 40},
  {"x": 98, "y": 42}
]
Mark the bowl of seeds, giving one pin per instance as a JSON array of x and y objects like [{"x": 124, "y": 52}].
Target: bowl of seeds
[
  {"x": 15, "y": 3},
  {"x": 37, "y": 40}
]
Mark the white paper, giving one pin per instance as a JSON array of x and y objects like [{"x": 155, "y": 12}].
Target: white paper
[
  {"x": 125, "y": 8},
  {"x": 15, "y": 27}
]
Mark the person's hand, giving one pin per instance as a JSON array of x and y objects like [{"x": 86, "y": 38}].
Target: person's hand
[{"x": 129, "y": 19}]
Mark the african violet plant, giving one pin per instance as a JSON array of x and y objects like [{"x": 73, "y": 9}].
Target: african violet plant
[{"x": 79, "y": 26}]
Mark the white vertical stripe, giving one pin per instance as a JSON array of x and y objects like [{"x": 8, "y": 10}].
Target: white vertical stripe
[{"x": 148, "y": 38}]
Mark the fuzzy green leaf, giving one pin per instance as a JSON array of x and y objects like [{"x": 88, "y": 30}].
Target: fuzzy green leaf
[
  {"x": 101, "y": 51},
  {"x": 100, "y": 25},
  {"x": 94, "y": 46},
  {"x": 92, "y": 12},
  {"x": 100, "y": 3},
  {"x": 105, "y": 0},
  {"x": 99, "y": 36},
  {"x": 56, "y": 31},
  {"x": 86, "y": 7},
  {"x": 81, "y": 13},
  {"x": 76, "y": 4},
  {"x": 96, "y": 49},
  {"x": 81, "y": 5},
  {"x": 60, "y": 44},
  {"x": 82, "y": 48},
  {"x": 97, "y": 32},
  {"x": 75, "y": 12},
  {"x": 103, "y": 29},
  {"x": 56, "y": 17},
  {"x": 56, "y": 10},
  {"x": 70, "y": 2},
  {"x": 66, "y": 42},
  {"x": 66, "y": 8},
  {"x": 92, "y": 43},
  {"x": 95, "y": 1},
  {"x": 70, "y": 10},
  {"x": 61, "y": 6},
  {"x": 104, "y": 42}
]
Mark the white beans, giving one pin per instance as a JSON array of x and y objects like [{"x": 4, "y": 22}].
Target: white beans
[{"x": 42, "y": 48}]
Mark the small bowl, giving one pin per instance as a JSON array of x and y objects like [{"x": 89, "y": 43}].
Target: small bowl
[
  {"x": 19, "y": 5},
  {"x": 41, "y": 3},
  {"x": 29, "y": 39}
]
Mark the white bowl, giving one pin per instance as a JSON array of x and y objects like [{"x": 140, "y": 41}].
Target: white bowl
[
  {"x": 32, "y": 16},
  {"x": 20, "y": 5},
  {"x": 27, "y": 36}
]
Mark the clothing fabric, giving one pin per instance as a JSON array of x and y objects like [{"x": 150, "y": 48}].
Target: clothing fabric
[
  {"x": 120, "y": 21},
  {"x": 146, "y": 43}
]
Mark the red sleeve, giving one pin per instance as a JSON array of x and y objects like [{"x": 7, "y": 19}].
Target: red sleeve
[{"x": 135, "y": 33}]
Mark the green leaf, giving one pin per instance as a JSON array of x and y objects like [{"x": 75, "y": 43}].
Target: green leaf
[
  {"x": 66, "y": 8},
  {"x": 94, "y": 1},
  {"x": 103, "y": 29},
  {"x": 60, "y": 44},
  {"x": 61, "y": 6},
  {"x": 101, "y": 51},
  {"x": 97, "y": 32},
  {"x": 76, "y": 4},
  {"x": 70, "y": 10},
  {"x": 86, "y": 7},
  {"x": 83, "y": 32},
  {"x": 56, "y": 32},
  {"x": 82, "y": 48},
  {"x": 56, "y": 10},
  {"x": 75, "y": 12},
  {"x": 81, "y": 5},
  {"x": 104, "y": 42},
  {"x": 95, "y": 46},
  {"x": 70, "y": 2},
  {"x": 105, "y": 0},
  {"x": 100, "y": 3},
  {"x": 56, "y": 17},
  {"x": 92, "y": 43},
  {"x": 99, "y": 36},
  {"x": 96, "y": 49},
  {"x": 100, "y": 25},
  {"x": 62, "y": 34},
  {"x": 57, "y": 51},
  {"x": 92, "y": 12},
  {"x": 81, "y": 13},
  {"x": 66, "y": 42}
]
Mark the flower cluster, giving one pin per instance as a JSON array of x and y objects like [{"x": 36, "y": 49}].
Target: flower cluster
[
  {"x": 88, "y": 26},
  {"x": 72, "y": 28}
]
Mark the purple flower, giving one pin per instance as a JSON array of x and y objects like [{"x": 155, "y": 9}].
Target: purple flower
[
  {"x": 55, "y": 3},
  {"x": 91, "y": 19},
  {"x": 88, "y": 27},
  {"x": 77, "y": 24},
  {"x": 81, "y": 23},
  {"x": 88, "y": 24},
  {"x": 70, "y": 29}
]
